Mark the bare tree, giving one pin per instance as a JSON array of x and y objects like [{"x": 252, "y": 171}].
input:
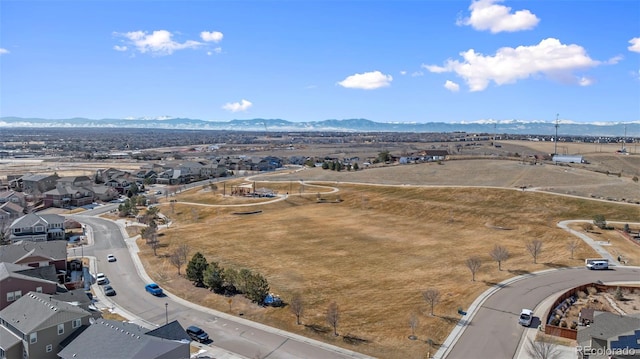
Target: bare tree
[
  {"x": 499, "y": 254},
  {"x": 431, "y": 296},
  {"x": 333, "y": 315},
  {"x": 297, "y": 306},
  {"x": 473, "y": 263},
  {"x": 413, "y": 324},
  {"x": 183, "y": 251},
  {"x": 177, "y": 260},
  {"x": 5, "y": 229},
  {"x": 572, "y": 246},
  {"x": 154, "y": 242},
  {"x": 543, "y": 348},
  {"x": 534, "y": 248}
]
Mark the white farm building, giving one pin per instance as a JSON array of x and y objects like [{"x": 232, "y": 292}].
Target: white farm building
[{"x": 568, "y": 159}]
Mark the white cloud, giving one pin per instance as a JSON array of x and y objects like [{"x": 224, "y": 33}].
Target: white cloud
[
  {"x": 159, "y": 42},
  {"x": 120, "y": 48},
  {"x": 488, "y": 15},
  {"x": 3, "y": 51},
  {"x": 585, "y": 81},
  {"x": 367, "y": 81},
  {"x": 635, "y": 44},
  {"x": 452, "y": 86},
  {"x": 550, "y": 58},
  {"x": 403, "y": 72},
  {"x": 213, "y": 36},
  {"x": 237, "y": 106},
  {"x": 417, "y": 74}
]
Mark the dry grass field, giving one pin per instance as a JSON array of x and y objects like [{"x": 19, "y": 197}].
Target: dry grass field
[
  {"x": 389, "y": 233},
  {"x": 374, "y": 248}
]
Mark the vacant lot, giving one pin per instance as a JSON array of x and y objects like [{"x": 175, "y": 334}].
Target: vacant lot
[{"x": 374, "y": 249}]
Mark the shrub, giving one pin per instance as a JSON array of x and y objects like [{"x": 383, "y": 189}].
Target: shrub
[
  {"x": 563, "y": 324},
  {"x": 592, "y": 290},
  {"x": 617, "y": 295},
  {"x": 555, "y": 321},
  {"x": 582, "y": 295}
]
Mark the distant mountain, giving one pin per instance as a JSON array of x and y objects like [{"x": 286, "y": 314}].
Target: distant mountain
[{"x": 605, "y": 129}]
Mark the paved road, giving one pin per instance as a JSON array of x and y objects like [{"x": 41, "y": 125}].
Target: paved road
[
  {"x": 494, "y": 331},
  {"x": 236, "y": 335}
]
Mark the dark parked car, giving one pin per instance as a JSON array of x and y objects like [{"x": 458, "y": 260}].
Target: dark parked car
[
  {"x": 153, "y": 289},
  {"x": 109, "y": 291},
  {"x": 197, "y": 334}
]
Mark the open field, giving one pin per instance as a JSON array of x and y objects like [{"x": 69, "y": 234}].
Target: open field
[
  {"x": 373, "y": 249},
  {"x": 389, "y": 233}
]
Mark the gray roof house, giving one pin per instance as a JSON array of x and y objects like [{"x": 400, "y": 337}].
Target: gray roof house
[
  {"x": 123, "y": 340},
  {"x": 611, "y": 332},
  {"x": 37, "y": 228},
  {"x": 17, "y": 280},
  {"x": 36, "y": 254},
  {"x": 39, "y": 183},
  {"x": 39, "y": 323}
]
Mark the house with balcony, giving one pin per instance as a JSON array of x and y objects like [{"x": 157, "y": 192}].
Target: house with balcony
[
  {"x": 35, "y": 325},
  {"x": 37, "y": 228}
]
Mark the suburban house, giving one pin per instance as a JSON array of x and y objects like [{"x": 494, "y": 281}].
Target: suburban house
[
  {"x": 434, "y": 155},
  {"x": 9, "y": 211},
  {"x": 37, "y": 228},
  {"x": 12, "y": 197},
  {"x": 123, "y": 340},
  {"x": 39, "y": 183},
  {"x": 70, "y": 191},
  {"x": 19, "y": 279},
  {"x": 35, "y": 325},
  {"x": 37, "y": 254},
  {"x": 611, "y": 332}
]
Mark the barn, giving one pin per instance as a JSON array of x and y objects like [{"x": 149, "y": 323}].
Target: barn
[{"x": 568, "y": 159}]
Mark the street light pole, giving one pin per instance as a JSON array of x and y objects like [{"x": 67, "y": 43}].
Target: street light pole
[{"x": 166, "y": 312}]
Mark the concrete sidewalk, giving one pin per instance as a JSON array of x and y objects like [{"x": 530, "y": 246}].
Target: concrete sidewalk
[
  {"x": 540, "y": 310},
  {"x": 133, "y": 251}
]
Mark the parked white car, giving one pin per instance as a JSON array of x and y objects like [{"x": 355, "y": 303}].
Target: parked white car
[
  {"x": 111, "y": 258},
  {"x": 101, "y": 278}
]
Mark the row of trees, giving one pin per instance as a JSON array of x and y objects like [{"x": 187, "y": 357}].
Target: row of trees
[
  {"x": 500, "y": 254},
  {"x": 227, "y": 281}
]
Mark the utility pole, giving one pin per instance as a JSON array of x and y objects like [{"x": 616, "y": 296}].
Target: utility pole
[
  {"x": 166, "y": 312},
  {"x": 555, "y": 140}
]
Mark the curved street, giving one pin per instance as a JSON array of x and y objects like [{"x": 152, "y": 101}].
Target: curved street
[
  {"x": 494, "y": 314},
  {"x": 239, "y": 338}
]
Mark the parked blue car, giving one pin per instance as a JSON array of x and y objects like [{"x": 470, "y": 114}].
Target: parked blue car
[{"x": 153, "y": 289}]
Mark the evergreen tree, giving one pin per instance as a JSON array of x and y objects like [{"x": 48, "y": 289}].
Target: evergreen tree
[
  {"x": 257, "y": 288},
  {"x": 195, "y": 269},
  {"x": 213, "y": 277}
]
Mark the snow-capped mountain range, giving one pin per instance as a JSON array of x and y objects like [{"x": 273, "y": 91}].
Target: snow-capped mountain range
[{"x": 605, "y": 129}]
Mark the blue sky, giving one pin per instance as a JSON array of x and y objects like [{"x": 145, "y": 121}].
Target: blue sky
[{"x": 386, "y": 61}]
